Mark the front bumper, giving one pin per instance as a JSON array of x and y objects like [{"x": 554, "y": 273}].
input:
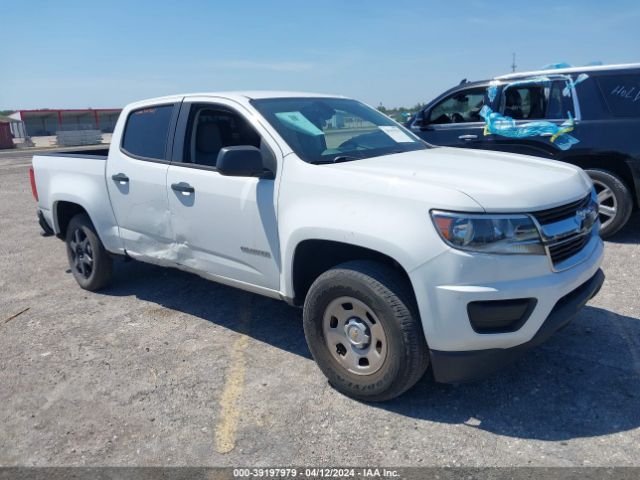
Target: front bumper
[
  {"x": 460, "y": 366},
  {"x": 447, "y": 284}
]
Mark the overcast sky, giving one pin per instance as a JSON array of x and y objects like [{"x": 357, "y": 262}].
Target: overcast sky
[{"x": 76, "y": 54}]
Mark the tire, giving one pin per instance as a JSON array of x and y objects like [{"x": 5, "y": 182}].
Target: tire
[
  {"x": 615, "y": 199},
  {"x": 89, "y": 262},
  {"x": 383, "y": 309}
]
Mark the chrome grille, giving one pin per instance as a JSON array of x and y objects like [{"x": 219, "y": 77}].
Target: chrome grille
[
  {"x": 556, "y": 214},
  {"x": 567, "y": 229},
  {"x": 562, "y": 250}
]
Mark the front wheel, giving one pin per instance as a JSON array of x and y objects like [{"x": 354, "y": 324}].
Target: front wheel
[
  {"x": 363, "y": 329},
  {"x": 90, "y": 263},
  {"x": 615, "y": 199}
]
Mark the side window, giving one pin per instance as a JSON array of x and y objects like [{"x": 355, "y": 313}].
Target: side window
[
  {"x": 559, "y": 106},
  {"x": 537, "y": 101},
  {"x": 146, "y": 132},
  {"x": 210, "y": 128},
  {"x": 461, "y": 107},
  {"x": 622, "y": 94},
  {"x": 524, "y": 103}
]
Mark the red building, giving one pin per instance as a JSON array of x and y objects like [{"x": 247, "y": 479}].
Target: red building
[
  {"x": 6, "y": 138},
  {"x": 48, "y": 121}
]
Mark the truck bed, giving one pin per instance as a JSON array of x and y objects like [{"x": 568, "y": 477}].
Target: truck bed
[
  {"x": 100, "y": 153},
  {"x": 76, "y": 177}
]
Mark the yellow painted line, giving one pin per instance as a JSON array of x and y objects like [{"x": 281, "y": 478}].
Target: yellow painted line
[{"x": 225, "y": 434}]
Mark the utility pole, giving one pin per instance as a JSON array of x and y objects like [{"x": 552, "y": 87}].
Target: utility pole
[{"x": 513, "y": 64}]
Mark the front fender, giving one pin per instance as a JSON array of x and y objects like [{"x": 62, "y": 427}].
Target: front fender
[{"x": 403, "y": 233}]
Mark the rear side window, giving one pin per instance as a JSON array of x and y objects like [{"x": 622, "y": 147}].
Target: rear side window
[
  {"x": 538, "y": 101},
  {"x": 524, "y": 103},
  {"x": 622, "y": 94},
  {"x": 146, "y": 132},
  {"x": 560, "y": 106}
]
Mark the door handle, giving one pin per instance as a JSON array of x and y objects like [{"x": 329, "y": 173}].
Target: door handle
[
  {"x": 121, "y": 178},
  {"x": 468, "y": 137},
  {"x": 183, "y": 187},
  {"x": 546, "y": 134}
]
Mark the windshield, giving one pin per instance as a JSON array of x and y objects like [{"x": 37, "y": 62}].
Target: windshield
[{"x": 326, "y": 130}]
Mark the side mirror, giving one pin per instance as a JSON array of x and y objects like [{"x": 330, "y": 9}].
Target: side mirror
[
  {"x": 421, "y": 123},
  {"x": 240, "y": 161}
]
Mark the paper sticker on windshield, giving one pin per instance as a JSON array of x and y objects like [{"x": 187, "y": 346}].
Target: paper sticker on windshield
[
  {"x": 299, "y": 122},
  {"x": 397, "y": 135}
]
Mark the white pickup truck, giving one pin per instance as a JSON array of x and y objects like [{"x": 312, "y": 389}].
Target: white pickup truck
[{"x": 403, "y": 255}]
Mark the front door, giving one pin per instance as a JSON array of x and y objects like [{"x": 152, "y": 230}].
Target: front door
[
  {"x": 454, "y": 121},
  {"x": 223, "y": 226}
]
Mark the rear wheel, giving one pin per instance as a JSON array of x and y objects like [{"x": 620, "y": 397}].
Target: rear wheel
[
  {"x": 615, "y": 199},
  {"x": 90, "y": 263},
  {"x": 364, "y": 331}
]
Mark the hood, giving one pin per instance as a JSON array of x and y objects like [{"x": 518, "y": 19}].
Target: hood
[{"x": 499, "y": 182}]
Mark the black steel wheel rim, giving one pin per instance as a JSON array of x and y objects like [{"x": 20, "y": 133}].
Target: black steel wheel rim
[{"x": 81, "y": 253}]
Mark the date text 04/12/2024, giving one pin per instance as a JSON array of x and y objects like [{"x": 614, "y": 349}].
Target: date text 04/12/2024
[{"x": 315, "y": 473}]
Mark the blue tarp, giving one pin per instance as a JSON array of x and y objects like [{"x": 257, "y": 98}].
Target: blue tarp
[{"x": 499, "y": 124}]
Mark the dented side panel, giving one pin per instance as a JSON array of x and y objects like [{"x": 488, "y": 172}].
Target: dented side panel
[{"x": 226, "y": 227}]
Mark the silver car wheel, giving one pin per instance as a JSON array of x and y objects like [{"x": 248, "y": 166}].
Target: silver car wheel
[
  {"x": 354, "y": 336},
  {"x": 608, "y": 203}
]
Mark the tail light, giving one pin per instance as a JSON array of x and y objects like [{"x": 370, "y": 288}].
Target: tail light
[{"x": 32, "y": 178}]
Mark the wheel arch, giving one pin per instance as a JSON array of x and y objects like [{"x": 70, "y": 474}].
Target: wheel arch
[
  {"x": 63, "y": 212},
  {"x": 65, "y": 206},
  {"x": 615, "y": 163},
  {"x": 312, "y": 257}
]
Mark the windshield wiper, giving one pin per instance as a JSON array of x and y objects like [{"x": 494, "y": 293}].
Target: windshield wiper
[{"x": 338, "y": 159}]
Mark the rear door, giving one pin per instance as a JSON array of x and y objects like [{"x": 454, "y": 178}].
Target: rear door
[
  {"x": 136, "y": 177},
  {"x": 455, "y": 120}
]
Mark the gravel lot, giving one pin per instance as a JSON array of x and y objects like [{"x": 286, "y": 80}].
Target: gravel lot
[{"x": 165, "y": 368}]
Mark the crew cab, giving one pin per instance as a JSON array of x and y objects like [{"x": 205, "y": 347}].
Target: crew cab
[
  {"x": 598, "y": 106},
  {"x": 402, "y": 255}
]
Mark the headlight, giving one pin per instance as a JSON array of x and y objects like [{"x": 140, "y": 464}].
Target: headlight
[{"x": 486, "y": 233}]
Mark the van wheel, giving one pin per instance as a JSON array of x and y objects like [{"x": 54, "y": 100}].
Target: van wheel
[
  {"x": 615, "y": 199},
  {"x": 362, "y": 326},
  {"x": 90, "y": 263}
]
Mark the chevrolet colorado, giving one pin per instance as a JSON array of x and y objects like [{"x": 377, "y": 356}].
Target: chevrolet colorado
[{"x": 403, "y": 255}]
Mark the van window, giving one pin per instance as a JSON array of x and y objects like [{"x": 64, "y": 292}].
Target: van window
[
  {"x": 560, "y": 106},
  {"x": 524, "y": 103},
  {"x": 146, "y": 132},
  {"x": 537, "y": 102},
  {"x": 622, "y": 94}
]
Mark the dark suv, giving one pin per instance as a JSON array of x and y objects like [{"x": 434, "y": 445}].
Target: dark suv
[{"x": 588, "y": 116}]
